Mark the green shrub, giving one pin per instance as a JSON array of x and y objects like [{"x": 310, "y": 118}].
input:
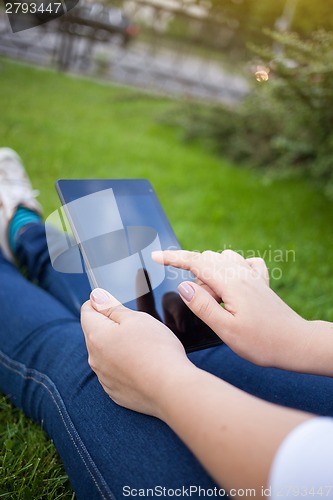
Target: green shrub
[{"x": 285, "y": 123}]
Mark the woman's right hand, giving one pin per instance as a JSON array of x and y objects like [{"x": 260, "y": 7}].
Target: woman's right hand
[{"x": 253, "y": 321}]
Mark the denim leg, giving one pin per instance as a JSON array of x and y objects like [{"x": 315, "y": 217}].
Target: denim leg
[
  {"x": 44, "y": 371},
  {"x": 306, "y": 392},
  {"x": 33, "y": 256}
]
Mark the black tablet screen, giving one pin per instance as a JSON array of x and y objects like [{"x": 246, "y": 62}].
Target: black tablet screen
[{"x": 117, "y": 224}]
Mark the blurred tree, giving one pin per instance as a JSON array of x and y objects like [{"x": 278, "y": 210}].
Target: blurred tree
[
  {"x": 249, "y": 18},
  {"x": 312, "y": 16},
  {"x": 231, "y": 24},
  {"x": 285, "y": 124}
]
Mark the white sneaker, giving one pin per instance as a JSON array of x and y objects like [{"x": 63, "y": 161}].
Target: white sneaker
[{"x": 15, "y": 190}]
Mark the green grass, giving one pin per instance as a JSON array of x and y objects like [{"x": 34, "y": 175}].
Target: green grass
[
  {"x": 67, "y": 128},
  {"x": 29, "y": 464}
]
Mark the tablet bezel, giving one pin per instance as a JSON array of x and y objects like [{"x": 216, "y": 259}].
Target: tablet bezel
[{"x": 72, "y": 189}]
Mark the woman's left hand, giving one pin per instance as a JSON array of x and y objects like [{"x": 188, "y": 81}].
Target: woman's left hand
[{"x": 133, "y": 354}]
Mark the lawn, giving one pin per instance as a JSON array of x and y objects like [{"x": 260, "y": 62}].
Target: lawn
[{"x": 65, "y": 127}]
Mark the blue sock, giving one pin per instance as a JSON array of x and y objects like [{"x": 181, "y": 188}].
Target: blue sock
[{"x": 22, "y": 217}]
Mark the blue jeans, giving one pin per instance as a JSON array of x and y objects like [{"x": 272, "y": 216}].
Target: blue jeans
[{"x": 44, "y": 371}]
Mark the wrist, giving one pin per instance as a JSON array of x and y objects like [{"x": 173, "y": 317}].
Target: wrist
[
  {"x": 311, "y": 350},
  {"x": 177, "y": 380},
  {"x": 319, "y": 348},
  {"x": 301, "y": 352},
  {"x": 291, "y": 350}
]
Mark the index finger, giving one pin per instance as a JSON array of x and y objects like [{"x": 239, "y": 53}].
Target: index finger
[
  {"x": 207, "y": 266},
  {"x": 212, "y": 268},
  {"x": 183, "y": 259}
]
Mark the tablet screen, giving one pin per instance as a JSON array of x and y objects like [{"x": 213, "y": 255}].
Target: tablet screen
[{"x": 117, "y": 224}]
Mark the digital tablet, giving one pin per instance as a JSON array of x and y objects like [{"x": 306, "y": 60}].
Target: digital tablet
[{"x": 117, "y": 223}]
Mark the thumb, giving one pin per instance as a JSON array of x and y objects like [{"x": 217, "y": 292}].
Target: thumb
[
  {"x": 100, "y": 313},
  {"x": 205, "y": 307},
  {"x": 106, "y": 304},
  {"x": 101, "y": 310}
]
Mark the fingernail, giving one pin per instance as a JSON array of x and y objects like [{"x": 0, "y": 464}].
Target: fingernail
[
  {"x": 100, "y": 296},
  {"x": 186, "y": 291},
  {"x": 157, "y": 255}
]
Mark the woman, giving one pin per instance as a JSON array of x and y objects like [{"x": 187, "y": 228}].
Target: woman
[{"x": 234, "y": 442}]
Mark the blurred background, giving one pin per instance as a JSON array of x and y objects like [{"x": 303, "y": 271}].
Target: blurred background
[
  {"x": 226, "y": 106},
  {"x": 182, "y": 47}
]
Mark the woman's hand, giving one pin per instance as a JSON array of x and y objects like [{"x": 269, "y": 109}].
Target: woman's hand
[
  {"x": 142, "y": 365},
  {"x": 254, "y": 321},
  {"x": 134, "y": 355}
]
